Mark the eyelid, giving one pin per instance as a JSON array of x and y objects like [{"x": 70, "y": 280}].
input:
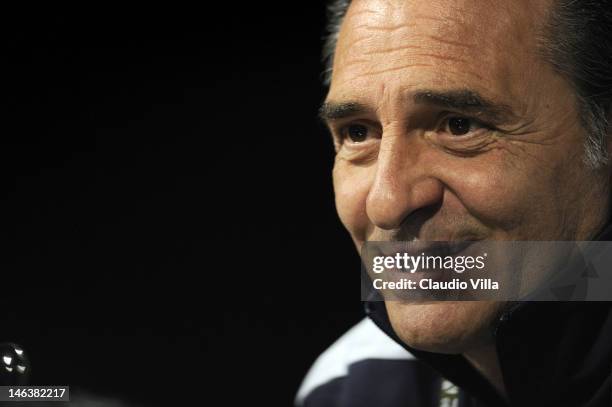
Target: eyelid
[
  {"x": 339, "y": 130},
  {"x": 445, "y": 116}
]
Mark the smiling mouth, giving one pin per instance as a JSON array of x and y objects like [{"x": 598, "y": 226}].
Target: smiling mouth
[{"x": 431, "y": 248}]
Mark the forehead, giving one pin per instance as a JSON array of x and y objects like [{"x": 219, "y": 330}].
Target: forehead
[{"x": 487, "y": 45}]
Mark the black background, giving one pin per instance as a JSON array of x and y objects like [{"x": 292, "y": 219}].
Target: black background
[{"x": 168, "y": 226}]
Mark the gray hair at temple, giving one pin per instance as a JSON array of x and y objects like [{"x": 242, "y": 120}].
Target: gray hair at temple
[{"x": 575, "y": 40}]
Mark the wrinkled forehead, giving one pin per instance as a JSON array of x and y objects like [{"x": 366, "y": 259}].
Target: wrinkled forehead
[{"x": 464, "y": 42}]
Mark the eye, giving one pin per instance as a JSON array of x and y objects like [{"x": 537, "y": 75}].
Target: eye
[
  {"x": 459, "y": 126},
  {"x": 357, "y": 133}
]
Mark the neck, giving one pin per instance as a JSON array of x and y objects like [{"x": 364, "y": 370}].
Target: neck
[{"x": 485, "y": 361}]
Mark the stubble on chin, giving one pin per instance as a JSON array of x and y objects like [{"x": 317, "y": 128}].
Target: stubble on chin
[{"x": 449, "y": 327}]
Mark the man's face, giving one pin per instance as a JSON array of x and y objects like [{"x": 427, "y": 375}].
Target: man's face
[{"x": 448, "y": 125}]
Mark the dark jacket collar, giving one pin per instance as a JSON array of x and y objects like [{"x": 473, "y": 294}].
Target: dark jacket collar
[{"x": 551, "y": 353}]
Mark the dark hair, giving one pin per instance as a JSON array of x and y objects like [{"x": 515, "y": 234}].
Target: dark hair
[{"x": 577, "y": 42}]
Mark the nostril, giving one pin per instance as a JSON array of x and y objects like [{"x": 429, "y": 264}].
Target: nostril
[
  {"x": 390, "y": 204},
  {"x": 412, "y": 225}
]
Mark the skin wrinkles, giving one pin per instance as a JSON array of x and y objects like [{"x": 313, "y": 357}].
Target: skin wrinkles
[
  {"x": 546, "y": 135},
  {"x": 444, "y": 20},
  {"x": 457, "y": 77},
  {"x": 369, "y": 27},
  {"x": 397, "y": 68},
  {"x": 393, "y": 49},
  {"x": 472, "y": 147},
  {"x": 449, "y": 42},
  {"x": 519, "y": 178},
  {"x": 356, "y": 61},
  {"x": 358, "y": 41},
  {"x": 433, "y": 37},
  {"x": 437, "y": 53},
  {"x": 444, "y": 58},
  {"x": 383, "y": 28},
  {"x": 365, "y": 12},
  {"x": 415, "y": 65}
]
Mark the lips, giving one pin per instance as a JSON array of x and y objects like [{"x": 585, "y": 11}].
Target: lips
[{"x": 415, "y": 247}]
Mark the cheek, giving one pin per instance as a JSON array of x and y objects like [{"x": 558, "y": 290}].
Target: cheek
[
  {"x": 498, "y": 193},
  {"x": 490, "y": 194},
  {"x": 351, "y": 187}
]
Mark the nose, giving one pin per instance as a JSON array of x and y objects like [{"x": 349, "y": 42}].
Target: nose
[{"x": 402, "y": 184}]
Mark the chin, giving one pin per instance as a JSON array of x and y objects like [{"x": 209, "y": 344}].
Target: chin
[{"x": 444, "y": 326}]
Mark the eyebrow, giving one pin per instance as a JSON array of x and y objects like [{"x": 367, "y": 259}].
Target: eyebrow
[
  {"x": 462, "y": 100},
  {"x": 467, "y": 101},
  {"x": 334, "y": 110}
]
